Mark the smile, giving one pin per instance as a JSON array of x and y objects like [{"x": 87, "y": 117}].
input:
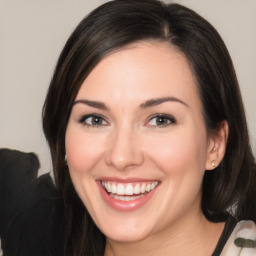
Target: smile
[{"x": 128, "y": 191}]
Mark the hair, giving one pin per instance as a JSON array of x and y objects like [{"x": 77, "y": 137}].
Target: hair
[{"x": 114, "y": 25}]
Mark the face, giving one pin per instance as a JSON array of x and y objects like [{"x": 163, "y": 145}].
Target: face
[{"x": 137, "y": 144}]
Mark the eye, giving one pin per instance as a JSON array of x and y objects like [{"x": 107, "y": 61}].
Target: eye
[
  {"x": 93, "y": 120},
  {"x": 161, "y": 120}
]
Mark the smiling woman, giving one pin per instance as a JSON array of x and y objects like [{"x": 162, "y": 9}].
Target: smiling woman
[
  {"x": 147, "y": 157},
  {"x": 145, "y": 107}
]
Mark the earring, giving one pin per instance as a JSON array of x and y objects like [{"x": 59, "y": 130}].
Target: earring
[
  {"x": 213, "y": 163},
  {"x": 66, "y": 159}
]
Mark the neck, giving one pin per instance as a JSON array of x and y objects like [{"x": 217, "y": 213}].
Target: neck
[{"x": 199, "y": 237}]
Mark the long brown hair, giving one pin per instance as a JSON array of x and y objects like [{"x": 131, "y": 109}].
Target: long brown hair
[{"x": 113, "y": 25}]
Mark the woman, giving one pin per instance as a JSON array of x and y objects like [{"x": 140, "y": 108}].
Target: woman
[{"x": 145, "y": 108}]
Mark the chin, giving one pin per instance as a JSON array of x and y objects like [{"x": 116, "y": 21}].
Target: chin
[
  {"x": 126, "y": 228},
  {"x": 121, "y": 234}
]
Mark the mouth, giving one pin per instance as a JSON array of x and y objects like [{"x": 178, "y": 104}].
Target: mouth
[{"x": 128, "y": 191}]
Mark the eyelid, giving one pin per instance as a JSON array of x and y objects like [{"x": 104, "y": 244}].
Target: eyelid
[
  {"x": 83, "y": 118},
  {"x": 171, "y": 119}
]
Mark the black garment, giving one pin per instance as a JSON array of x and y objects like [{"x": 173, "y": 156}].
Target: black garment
[
  {"x": 228, "y": 229},
  {"x": 17, "y": 171},
  {"x": 31, "y": 214}
]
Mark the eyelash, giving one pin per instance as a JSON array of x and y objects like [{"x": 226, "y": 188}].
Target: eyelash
[
  {"x": 85, "y": 118},
  {"x": 167, "y": 119}
]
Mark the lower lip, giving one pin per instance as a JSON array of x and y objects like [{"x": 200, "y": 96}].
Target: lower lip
[{"x": 125, "y": 206}]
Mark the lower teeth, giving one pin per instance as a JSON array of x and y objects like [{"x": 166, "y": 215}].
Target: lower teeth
[{"x": 126, "y": 198}]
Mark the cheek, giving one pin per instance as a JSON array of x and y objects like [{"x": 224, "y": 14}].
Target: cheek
[
  {"x": 181, "y": 159},
  {"x": 83, "y": 151},
  {"x": 180, "y": 152}
]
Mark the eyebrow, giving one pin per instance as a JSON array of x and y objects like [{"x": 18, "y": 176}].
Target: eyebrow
[
  {"x": 158, "y": 101},
  {"x": 149, "y": 103},
  {"x": 94, "y": 104}
]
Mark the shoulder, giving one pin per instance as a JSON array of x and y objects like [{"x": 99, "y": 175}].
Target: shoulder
[
  {"x": 242, "y": 240},
  {"x": 37, "y": 226},
  {"x": 18, "y": 170},
  {"x": 31, "y": 210}
]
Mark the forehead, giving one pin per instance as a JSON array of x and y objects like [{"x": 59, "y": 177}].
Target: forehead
[{"x": 141, "y": 70}]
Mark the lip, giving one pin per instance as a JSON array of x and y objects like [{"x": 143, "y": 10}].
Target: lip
[{"x": 125, "y": 206}]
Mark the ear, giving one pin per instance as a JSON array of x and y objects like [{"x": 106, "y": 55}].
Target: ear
[{"x": 217, "y": 146}]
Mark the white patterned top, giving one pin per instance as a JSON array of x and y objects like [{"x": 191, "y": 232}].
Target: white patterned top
[{"x": 242, "y": 241}]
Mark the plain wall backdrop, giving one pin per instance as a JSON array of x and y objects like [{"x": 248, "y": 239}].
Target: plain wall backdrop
[{"x": 32, "y": 34}]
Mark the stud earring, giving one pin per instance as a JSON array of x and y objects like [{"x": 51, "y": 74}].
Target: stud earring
[{"x": 213, "y": 163}]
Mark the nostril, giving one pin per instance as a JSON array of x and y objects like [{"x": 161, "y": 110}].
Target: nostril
[{"x": 124, "y": 151}]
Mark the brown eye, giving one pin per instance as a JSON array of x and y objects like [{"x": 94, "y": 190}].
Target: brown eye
[
  {"x": 93, "y": 120},
  {"x": 96, "y": 121},
  {"x": 161, "y": 120}
]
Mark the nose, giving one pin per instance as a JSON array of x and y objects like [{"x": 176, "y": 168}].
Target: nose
[{"x": 124, "y": 150}]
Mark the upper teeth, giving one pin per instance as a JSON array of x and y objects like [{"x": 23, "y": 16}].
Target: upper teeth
[{"x": 128, "y": 188}]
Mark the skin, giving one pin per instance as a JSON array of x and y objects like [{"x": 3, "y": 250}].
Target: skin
[{"x": 130, "y": 142}]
